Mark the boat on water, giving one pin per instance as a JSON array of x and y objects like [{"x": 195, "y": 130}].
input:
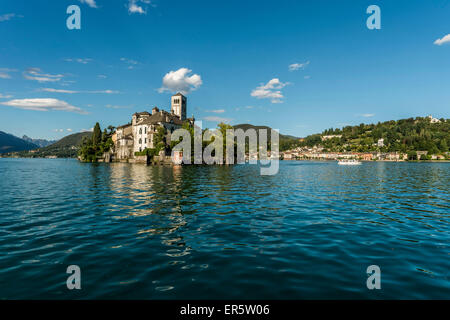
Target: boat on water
[{"x": 349, "y": 162}]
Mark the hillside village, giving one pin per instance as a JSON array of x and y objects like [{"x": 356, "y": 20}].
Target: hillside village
[{"x": 407, "y": 139}]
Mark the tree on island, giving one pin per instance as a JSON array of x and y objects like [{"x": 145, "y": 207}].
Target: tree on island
[
  {"x": 93, "y": 149},
  {"x": 96, "y": 134}
]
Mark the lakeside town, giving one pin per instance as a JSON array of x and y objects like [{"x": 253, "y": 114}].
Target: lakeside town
[
  {"x": 146, "y": 138},
  {"x": 317, "y": 153}
]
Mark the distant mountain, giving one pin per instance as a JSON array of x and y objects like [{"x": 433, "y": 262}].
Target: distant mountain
[
  {"x": 67, "y": 147},
  {"x": 39, "y": 142},
  {"x": 10, "y": 143}
]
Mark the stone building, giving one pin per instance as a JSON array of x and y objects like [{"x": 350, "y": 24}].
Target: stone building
[
  {"x": 139, "y": 134},
  {"x": 124, "y": 142}
]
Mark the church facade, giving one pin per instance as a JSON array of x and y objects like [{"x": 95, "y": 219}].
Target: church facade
[{"x": 139, "y": 134}]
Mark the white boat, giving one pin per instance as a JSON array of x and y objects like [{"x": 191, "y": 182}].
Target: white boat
[{"x": 350, "y": 162}]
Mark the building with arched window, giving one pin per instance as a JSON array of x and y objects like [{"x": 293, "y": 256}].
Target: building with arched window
[{"x": 139, "y": 134}]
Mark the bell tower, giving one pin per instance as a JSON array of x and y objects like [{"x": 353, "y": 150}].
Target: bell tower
[{"x": 178, "y": 106}]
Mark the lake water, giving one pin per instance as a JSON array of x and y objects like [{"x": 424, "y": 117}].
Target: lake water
[{"x": 211, "y": 232}]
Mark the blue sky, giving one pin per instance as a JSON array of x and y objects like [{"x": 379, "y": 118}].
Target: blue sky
[{"x": 232, "y": 58}]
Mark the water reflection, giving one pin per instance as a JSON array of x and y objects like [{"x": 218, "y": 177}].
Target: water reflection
[{"x": 224, "y": 232}]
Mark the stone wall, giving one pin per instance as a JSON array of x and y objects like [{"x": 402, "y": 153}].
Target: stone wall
[{"x": 140, "y": 159}]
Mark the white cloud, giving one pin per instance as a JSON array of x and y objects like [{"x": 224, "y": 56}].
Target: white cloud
[
  {"x": 103, "y": 91},
  {"x": 90, "y": 3},
  {"x": 246, "y": 107},
  {"x": 216, "y": 111},
  {"x": 441, "y": 41},
  {"x": 297, "y": 66},
  {"x": 109, "y": 106},
  {"x": 58, "y": 90},
  {"x": 131, "y": 63},
  {"x": 87, "y": 130},
  {"x": 307, "y": 77},
  {"x": 66, "y": 83},
  {"x": 73, "y": 91},
  {"x": 135, "y": 7},
  {"x": 5, "y": 97},
  {"x": 9, "y": 16},
  {"x": 102, "y": 76},
  {"x": 79, "y": 60},
  {"x": 6, "y": 17},
  {"x": 45, "y": 104},
  {"x": 37, "y": 75},
  {"x": 70, "y": 130},
  {"x": 367, "y": 115},
  {"x": 180, "y": 81},
  {"x": 271, "y": 91},
  {"x": 217, "y": 119},
  {"x": 4, "y": 73}
]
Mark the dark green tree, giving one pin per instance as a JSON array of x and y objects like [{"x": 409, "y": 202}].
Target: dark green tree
[
  {"x": 94, "y": 148},
  {"x": 159, "y": 141},
  {"x": 111, "y": 129},
  {"x": 97, "y": 135},
  {"x": 443, "y": 145},
  {"x": 412, "y": 155}
]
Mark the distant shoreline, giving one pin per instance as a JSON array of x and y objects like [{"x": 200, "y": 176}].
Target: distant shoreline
[
  {"x": 333, "y": 160},
  {"x": 309, "y": 160}
]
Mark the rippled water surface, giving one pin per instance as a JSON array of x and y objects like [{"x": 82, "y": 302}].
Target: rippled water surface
[{"x": 143, "y": 232}]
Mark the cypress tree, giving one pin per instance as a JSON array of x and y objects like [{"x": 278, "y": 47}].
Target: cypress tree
[{"x": 97, "y": 135}]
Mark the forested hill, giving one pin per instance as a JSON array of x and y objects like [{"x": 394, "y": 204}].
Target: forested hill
[
  {"x": 67, "y": 147},
  {"x": 413, "y": 134}
]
